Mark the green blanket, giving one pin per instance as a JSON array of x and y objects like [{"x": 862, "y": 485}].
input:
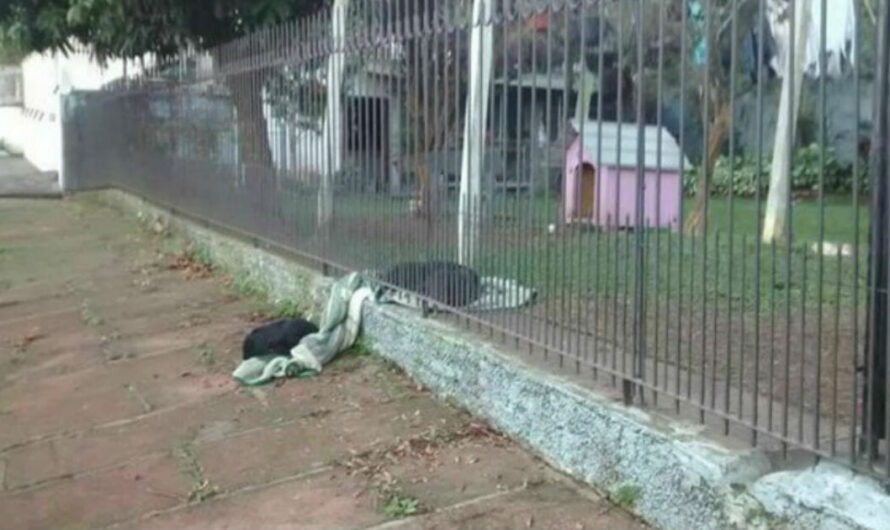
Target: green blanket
[{"x": 337, "y": 331}]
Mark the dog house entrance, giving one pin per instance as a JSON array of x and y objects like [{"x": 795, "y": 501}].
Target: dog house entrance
[{"x": 588, "y": 191}]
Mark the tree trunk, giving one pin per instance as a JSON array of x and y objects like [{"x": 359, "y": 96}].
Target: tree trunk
[
  {"x": 786, "y": 125},
  {"x": 253, "y": 138},
  {"x": 717, "y": 129}
]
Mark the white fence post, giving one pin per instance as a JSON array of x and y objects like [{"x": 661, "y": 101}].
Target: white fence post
[{"x": 469, "y": 208}]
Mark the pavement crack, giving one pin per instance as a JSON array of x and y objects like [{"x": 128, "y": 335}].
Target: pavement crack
[
  {"x": 141, "y": 399},
  {"x": 411, "y": 521},
  {"x": 190, "y": 466},
  {"x": 222, "y": 496}
]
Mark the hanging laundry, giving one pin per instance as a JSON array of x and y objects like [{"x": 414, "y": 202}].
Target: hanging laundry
[{"x": 840, "y": 32}]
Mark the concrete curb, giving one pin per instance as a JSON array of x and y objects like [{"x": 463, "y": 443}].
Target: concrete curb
[{"x": 656, "y": 466}]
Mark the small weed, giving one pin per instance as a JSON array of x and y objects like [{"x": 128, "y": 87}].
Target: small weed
[
  {"x": 399, "y": 506},
  {"x": 173, "y": 245},
  {"x": 201, "y": 490},
  {"x": 286, "y": 309},
  {"x": 205, "y": 355},
  {"x": 201, "y": 254},
  {"x": 188, "y": 462},
  {"x": 88, "y": 315},
  {"x": 242, "y": 284},
  {"x": 627, "y": 495},
  {"x": 194, "y": 261},
  {"x": 359, "y": 349}
]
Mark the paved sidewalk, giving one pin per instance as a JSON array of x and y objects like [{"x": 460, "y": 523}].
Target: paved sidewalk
[
  {"x": 18, "y": 178},
  {"x": 117, "y": 409}
]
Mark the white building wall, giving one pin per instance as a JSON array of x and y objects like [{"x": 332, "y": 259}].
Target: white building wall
[
  {"x": 305, "y": 151},
  {"x": 35, "y": 127}
]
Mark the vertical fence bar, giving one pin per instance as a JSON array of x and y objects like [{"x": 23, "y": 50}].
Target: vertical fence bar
[
  {"x": 639, "y": 343},
  {"x": 881, "y": 150},
  {"x": 733, "y": 61},
  {"x": 821, "y": 256},
  {"x": 681, "y": 225},
  {"x": 857, "y": 181},
  {"x": 760, "y": 60}
]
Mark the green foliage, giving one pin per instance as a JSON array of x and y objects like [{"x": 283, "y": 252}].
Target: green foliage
[
  {"x": 243, "y": 285},
  {"x": 399, "y": 507},
  {"x": 359, "y": 349},
  {"x": 740, "y": 175},
  {"x": 286, "y": 309},
  {"x": 627, "y": 495},
  {"x": 123, "y": 28},
  {"x": 202, "y": 255},
  {"x": 206, "y": 356},
  {"x": 10, "y": 52}
]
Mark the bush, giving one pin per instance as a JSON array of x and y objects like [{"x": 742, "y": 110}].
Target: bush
[{"x": 742, "y": 173}]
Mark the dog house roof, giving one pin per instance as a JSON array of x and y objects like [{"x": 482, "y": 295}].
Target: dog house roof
[{"x": 610, "y": 155}]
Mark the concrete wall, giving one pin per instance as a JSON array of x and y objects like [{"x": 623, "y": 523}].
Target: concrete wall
[
  {"x": 302, "y": 150},
  {"x": 679, "y": 479},
  {"x": 10, "y": 127},
  {"x": 35, "y": 127}
]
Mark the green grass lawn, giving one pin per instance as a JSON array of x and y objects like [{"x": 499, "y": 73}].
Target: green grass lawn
[
  {"x": 737, "y": 216},
  {"x": 841, "y": 217},
  {"x": 723, "y": 265}
]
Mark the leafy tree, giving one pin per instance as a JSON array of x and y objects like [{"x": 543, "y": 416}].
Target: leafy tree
[
  {"x": 163, "y": 28},
  {"x": 718, "y": 27}
]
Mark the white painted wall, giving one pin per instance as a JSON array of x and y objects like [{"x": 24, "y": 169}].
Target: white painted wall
[
  {"x": 306, "y": 152},
  {"x": 35, "y": 127},
  {"x": 10, "y": 125}
]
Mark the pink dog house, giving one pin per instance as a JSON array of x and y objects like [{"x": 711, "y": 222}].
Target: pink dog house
[{"x": 601, "y": 180}]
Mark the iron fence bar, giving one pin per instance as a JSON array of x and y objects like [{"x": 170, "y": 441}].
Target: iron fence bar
[
  {"x": 855, "y": 358},
  {"x": 639, "y": 343},
  {"x": 882, "y": 174}
]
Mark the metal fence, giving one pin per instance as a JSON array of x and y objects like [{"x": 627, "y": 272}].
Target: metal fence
[{"x": 622, "y": 159}]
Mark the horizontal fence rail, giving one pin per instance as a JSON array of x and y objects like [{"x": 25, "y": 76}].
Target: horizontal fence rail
[{"x": 685, "y": 200}]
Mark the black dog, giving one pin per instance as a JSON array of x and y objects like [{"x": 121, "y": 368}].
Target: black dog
[
  {"x": 446, "y": 283},
  {"x": 277, "y": 338}
]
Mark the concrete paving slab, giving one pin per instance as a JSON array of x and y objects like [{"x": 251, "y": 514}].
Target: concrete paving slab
[
  {"x": 18, "y": 178},
  {"x": 97, "y": 499},
  {"x": 325, "y": 500},
  {"x": 118, "y": 409}
]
